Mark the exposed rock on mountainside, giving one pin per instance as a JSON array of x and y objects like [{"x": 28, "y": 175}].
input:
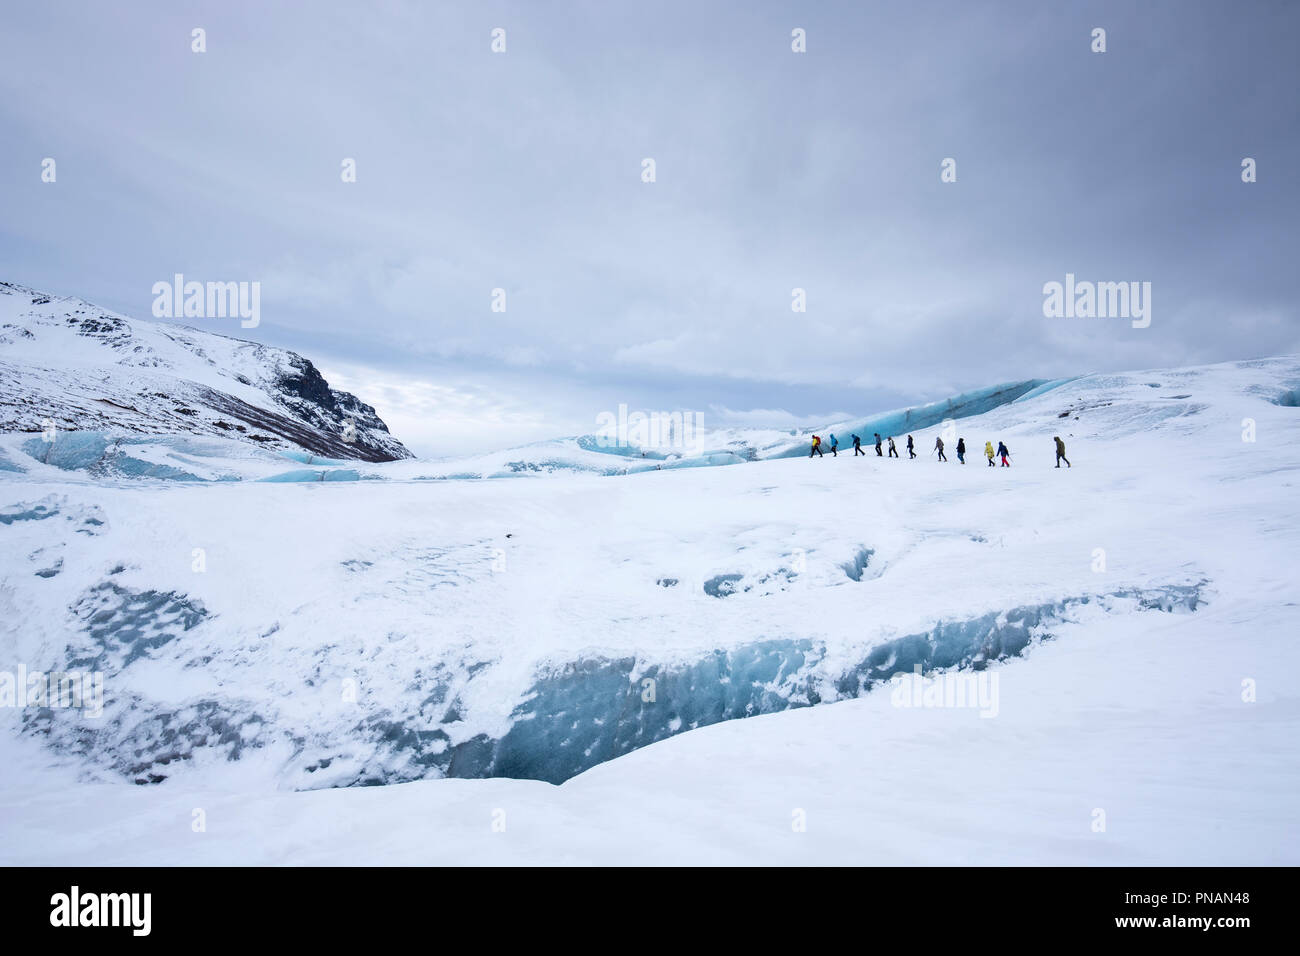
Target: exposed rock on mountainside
[{"x": 70, "y": 364}]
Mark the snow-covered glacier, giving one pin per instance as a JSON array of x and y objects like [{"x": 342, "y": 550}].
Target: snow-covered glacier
[{"x": 264, "y": 629}]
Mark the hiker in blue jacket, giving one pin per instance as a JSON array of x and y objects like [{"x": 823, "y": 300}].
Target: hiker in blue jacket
[{"x": 835, "y": 443}]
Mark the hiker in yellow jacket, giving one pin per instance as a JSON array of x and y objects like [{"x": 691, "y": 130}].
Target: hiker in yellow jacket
[
  {"x": 988, "y": 452},
  {"x": 1060, "y": 452}
]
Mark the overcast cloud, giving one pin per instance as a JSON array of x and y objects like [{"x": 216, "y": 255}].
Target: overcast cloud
[{"x": 774, "y": 170}]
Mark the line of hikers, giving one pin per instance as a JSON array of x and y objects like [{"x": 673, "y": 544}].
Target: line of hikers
[{"x": 1001, "y": 452}]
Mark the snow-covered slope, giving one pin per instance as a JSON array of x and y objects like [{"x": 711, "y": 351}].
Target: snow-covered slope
[
  {"x": 1138, "y": 612},
  {"x": 1108, "y": 404},
  {"x": 67, "y": 365}
]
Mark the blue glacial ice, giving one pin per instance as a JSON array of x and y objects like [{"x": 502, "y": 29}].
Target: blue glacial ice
[
  {"x": 1048, "y": 386},
  {"x": 100, "y": 455},
  {"x": 7, "y": 465},
  {"x": 308, "y": 474},
  {"x": 907, "y": 420},
  {"x": 35, "y": 512},
  {"x": 71, "y": 451},
  {"x": 306, "y": 458},
  {"x": 575, "y": 714},
  {"x": 603, "y": 446}
]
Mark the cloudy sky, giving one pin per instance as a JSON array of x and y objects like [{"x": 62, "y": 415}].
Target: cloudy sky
[{"x": 774, "y": 170}]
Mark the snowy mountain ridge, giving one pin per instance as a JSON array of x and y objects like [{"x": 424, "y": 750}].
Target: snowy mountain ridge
[{"x": 68, "y": 365}]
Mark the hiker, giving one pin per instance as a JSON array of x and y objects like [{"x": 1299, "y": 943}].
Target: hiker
[
  {"x": 893, "y": 452},
  {"x": 988, "y": 452},
  {"x": 961, "y": 450},
  {"x": 1060, "y": 453},
  {"x": 835, "y": 443},
  {"x": 816, "y": 448},
  {"x": 1004, "y": 453},
  {"x": 938, "y": 446},
  {"x": 879, "y": 453},
  {"x": 910, "y": 453},
  {"x": 857, "y": 447}
]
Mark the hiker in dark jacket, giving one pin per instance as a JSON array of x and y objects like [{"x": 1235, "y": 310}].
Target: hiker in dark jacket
[
  {"x": 857, "y": 447},
  {"x": 1060, "y": 453},
  {"x": 961, "y": 450},
  {"x": 879, "y": 453},
  {"x": 910, "y": 452},
  {"x": 1004, "y": 453}
]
